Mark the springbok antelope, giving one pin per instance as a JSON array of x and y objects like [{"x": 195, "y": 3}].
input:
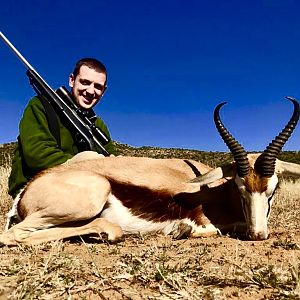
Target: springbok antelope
[{"x": 116, "y": 195}]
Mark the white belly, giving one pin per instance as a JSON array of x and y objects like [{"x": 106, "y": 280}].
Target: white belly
[{"x": 121, "y": 215}]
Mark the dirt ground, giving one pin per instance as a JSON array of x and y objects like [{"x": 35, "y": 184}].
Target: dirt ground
[
  {"x": 158, "y": 267},
  {"x": 155, "y": 267}
]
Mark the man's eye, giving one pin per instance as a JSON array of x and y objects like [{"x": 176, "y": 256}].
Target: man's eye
[
  {"x": 85, "y": 82},
  {"x": 99, "y": 87}
]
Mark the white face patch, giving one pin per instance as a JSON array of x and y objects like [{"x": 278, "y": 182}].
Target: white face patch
[{"x": 257, "y": 207}]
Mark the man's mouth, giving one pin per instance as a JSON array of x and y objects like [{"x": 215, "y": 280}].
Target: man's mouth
[{"x": 87, "y": 100}]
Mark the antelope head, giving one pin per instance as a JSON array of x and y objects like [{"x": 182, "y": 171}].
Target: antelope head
[{"x": 255, "y": 175}]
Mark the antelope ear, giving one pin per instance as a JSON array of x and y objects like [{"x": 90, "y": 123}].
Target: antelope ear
[
  {"x": 287, "y": 168},
  {"x": 228, "y": 170}
]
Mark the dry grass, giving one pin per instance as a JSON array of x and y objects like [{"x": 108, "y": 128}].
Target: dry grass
[
  {"x": 157, "y": 267},
  {"x": 286, "y": 212},
  {"x": 5, "y": 199}
]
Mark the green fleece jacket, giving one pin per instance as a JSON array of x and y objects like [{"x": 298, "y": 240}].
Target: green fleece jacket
[{"x": 37, "y": 148}]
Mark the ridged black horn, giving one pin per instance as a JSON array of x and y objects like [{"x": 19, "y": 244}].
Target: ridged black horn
[
  {"x": 238, "y": 152},
  {"x": 265, "y": 164}
]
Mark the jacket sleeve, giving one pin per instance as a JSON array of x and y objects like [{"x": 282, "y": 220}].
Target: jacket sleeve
[{"x": 39, "y": 146}]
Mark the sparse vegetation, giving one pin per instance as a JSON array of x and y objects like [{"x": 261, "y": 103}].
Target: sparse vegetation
[
  {"x": 5, "y": 199},
  {"x": 157, "y": 267}
]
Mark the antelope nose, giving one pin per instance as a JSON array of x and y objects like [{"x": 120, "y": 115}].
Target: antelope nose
[{"x": 257, "y": 236}]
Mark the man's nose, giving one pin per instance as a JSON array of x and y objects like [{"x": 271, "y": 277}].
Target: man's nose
[{"x": 91, "y": 89}]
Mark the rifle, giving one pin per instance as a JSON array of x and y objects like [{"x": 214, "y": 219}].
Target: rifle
[{"x": 87, "y": 135}]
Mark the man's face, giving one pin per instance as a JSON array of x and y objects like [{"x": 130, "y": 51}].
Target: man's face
[{"x": 87, "y": 87}]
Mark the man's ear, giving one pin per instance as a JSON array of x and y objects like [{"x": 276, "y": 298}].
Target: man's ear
[{"x": 71, "y": 80}]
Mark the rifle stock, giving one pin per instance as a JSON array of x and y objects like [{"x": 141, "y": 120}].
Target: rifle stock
[{"x": 86, "y": 133}]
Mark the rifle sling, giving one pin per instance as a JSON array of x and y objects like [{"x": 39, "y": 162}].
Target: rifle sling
[{"x": 52, "y": 119}]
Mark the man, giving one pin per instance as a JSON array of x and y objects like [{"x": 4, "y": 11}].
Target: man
[{"x": 38, "y": 148}]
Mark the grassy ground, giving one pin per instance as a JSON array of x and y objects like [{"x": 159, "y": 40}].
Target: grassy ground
[{"x": 157, "y": 267}]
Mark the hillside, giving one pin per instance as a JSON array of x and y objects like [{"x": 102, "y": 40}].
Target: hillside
[{"x": 211, "y": 158}]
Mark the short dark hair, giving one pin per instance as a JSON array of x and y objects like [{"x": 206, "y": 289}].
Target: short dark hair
[{"x": 91, "y": 63}]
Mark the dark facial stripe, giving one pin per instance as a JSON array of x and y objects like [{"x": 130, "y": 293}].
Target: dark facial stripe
[
  {"x": 243, "y": 206},
  {"x": 269, "y": 201}
]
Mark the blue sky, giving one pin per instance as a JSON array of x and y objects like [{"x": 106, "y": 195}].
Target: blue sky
[{"x": 170, "y": 63}]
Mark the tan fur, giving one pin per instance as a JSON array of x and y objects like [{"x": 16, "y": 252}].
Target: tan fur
[
  {"x": 255, "y": 183},
  {"x": 78, "y": 197},
  {"x": 78, "y": 190}
]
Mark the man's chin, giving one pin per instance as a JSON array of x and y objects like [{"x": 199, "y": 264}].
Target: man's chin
[{"x": 86, "y": 105}]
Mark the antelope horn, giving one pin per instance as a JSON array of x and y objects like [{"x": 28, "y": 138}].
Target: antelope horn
[
  {"x": 238, "y": 152},
  {"x": 265, "y": 164}
]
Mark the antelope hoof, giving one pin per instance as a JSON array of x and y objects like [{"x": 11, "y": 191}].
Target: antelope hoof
[
  {"x": 183, "y": 231},
  {"x": 115, "y": 234}
]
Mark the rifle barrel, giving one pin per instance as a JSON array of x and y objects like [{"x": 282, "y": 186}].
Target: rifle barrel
[
  {"x": 21, "y": 57},
  {"x": 13, "y": 48}
]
